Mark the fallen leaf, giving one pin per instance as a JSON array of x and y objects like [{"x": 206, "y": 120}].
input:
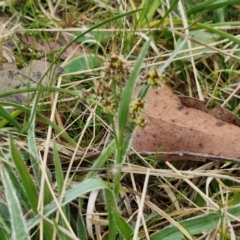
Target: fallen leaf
[
  {"x": 218, "y": 111},
  {"x": 48, "y": 47},
  {"x": 225, "y": 115},
  {"x": 183, "y": 132},
  {"x": 13, "y": 78},
  {"x": 193, "y": 103}
]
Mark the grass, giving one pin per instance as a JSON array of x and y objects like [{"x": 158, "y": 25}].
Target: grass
[{"x": 67, "y": 169}]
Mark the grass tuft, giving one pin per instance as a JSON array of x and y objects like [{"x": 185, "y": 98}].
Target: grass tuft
[{"x": 68, "y": 170}]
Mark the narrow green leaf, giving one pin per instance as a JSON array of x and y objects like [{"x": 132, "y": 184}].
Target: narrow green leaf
[
  {"x": 125, "y": 132},
  {"x": 57, "y": 129},
  {"x": 71, "y": 194},
  {"x": 33, "y": 109},
  {"x": 59, "y": 177},
  {"x": 81, "y": 228},
  {"x": 222, "y": 34},
  {"x": 16, "y": 183},
  {"x": 7, "y": 116},
  {"x": 122, "y": 226},
  {"x": 110, "y": 203},
  {"x": 5, "y": 222},
  {"x": 220, "y": 13},
  {"x": 127, "y": 95},
  {"x": 18, "y": 224},
  {"x": 152, "y": 7},
  {"x": 98, "y": 36},
  {"x": 116, "y": 222},
  {"x": 210, "y": 5},
  {"x": 35, "y": 89},
  {"x": 120, "y": 157},
  {"x": 172, "y": 56},
  {"x": 26, "y": 179},
  {"x": 3, "y": 234},
  {"x": 14, "y": 114},
  {"x": 58, "y": 168},
  {"x": 60, "y": 234},
  {"x": 213, "y": 28},
  {"x": 46, "y": 120},
  {"x": 149, "y": 9},
  {"x": 196, "y": 225},
  {"x": 102, "y": 159},
  {"x": 32, "y": 147},
  {"x": 47, "y": 192},
  {"x": 171, "y": 8}
]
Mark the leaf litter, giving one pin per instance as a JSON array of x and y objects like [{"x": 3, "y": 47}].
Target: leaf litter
[{"x": 179, "y": 128}]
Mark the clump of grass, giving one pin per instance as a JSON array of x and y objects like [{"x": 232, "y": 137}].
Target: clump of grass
[{"x": 101, "y": 191}]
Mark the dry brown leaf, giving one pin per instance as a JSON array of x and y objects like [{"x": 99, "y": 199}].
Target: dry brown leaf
[
  {"x": 218, "y": 112},
  {"x": 193, "y": 103},
  {"x": 48, "y": 47},
  {"x": 184, "y": 132},
  {"x": 13, "y": 78},
  {"x": 225, "y": 115}
]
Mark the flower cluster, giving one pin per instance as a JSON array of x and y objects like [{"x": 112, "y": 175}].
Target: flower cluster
[
  {"x": 136, "y": 110},
  {"x": 154, "y": 79},
  {"x": 110, "y": 87},
  {"x": 113, "y": 79}
]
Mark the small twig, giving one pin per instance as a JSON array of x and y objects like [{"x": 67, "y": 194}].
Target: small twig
[{"x": 182, "y": 154}]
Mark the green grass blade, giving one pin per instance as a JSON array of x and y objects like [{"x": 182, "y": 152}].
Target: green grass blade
[
  {"x": 47, "y": 192},
  {"x": 213, "y": 28},
  {"x": 81, "y": 228},
  {"x": 13, "y": 114},
  {"x": 45, "y": 120},
  {"x": 210, "y": 5},
  {"x": 222, "y": 34},
  {"x": 123, "y": 227},
  {"x": 5, "y": 223},
  {"x": 116, "y": 222},
  {"x": 195, "y": 225},
  {"x": 125, "y": 132},
  {"x": 59, "y": 175},
  {"x": 33, "y": 109},
  {"x": 121, "y": 154},
  {"x": 26, "y": 179},
  {"x": 35, "y": 89},
  {"x": 59, "y": 234},
  {"x": 18, "y": 224},
  {"x": 3, "y": 234},
  {"x": 33, "y": 152},
  {"x": 7, "y": 116},
  {"x": 127, "y": 95},
  {"x": 149, "y": 9},
  {"x": 16, "y": 183},
  {"x": 102, "y": 159},
  {"x": 27, "y": 196},
  {"x": 169, "y": 10},
  {"x": 220, "y": 13},
  {"x": 58, "y": 168},
  {"x": 71, "y": 194},
  {"x": 62, "y": 132},
  {"x": 110, "y": 204}
]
